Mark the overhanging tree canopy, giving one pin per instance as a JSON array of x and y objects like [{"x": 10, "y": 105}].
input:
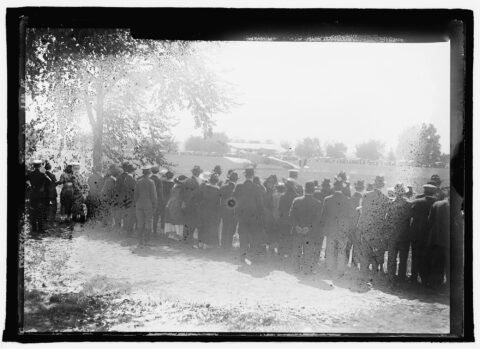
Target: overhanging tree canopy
[{"x": 129, "y": 89}]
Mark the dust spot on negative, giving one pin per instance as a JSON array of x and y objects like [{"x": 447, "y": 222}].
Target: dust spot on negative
[{"x": 231, "y": 203}]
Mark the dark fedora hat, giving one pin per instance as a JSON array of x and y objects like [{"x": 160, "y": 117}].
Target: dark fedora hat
[
  {"x": 180, "y": 179},
  {"x": 379, "y": 182}
]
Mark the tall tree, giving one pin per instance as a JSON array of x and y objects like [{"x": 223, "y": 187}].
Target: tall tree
[
  {"x": 420, "y": 144},
  {"x": 370, "y": 150},
  {"x": 336, "y": 150},
  {"x": 308, "y": 148},
  {"x": 127, "y": 88}
]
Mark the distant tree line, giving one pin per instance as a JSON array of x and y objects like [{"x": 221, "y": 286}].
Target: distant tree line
[{"x": 419, "y": 145}]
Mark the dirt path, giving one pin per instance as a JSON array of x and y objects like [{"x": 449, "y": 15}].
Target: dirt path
[{"x": 171, "y": 287}]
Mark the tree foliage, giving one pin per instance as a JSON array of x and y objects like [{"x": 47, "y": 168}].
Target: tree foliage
[
  {"x": 370, "y": 150},
  {"x": 336, "y": 150},
  {"x": 420, "y": 144},
  {"x": 216, "y": 143},
  {"x": 391, "y": 156},
  {"x": 308, "y": 148},
  {"x": 127, "y": 88}
]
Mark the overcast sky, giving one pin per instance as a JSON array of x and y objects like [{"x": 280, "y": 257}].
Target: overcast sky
[{"x": 348, "y": 92}]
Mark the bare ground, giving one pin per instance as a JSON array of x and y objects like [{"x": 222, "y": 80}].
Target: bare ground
[{"x": 96, "y": 280}]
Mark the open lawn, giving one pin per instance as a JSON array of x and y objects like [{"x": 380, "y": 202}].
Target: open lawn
[{"x": 415, "y": 176}]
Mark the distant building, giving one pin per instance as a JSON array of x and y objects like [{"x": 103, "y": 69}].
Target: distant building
[{"x": 258, "y": 148}]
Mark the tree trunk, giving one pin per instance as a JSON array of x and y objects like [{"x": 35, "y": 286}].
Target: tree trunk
[
  {"x": 97, "y": 126},
  {"x": 97, "y": 149},
  {"x": 98, "y": 132}
]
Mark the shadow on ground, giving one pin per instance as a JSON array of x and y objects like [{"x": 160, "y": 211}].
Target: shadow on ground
[{"x": 161, "y": 247}]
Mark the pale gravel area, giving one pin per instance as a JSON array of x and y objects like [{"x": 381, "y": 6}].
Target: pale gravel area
[{"x": 194, "y": 290}]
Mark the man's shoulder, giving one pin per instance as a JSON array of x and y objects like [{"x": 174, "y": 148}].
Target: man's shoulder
[
  {"x": 329, "y": 198},
  {"x": 298, "y": 200},
  {"x": 441, "y": 203}
]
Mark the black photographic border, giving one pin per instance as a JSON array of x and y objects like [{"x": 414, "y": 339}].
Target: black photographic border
[{"x": 224, "y": 24}]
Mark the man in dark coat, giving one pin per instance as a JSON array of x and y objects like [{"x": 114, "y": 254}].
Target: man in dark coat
[
  {"x": 398, "y": 228},
  {"x": 371, "y": 226},
  {"x": 249, "y": 212},
  {"x": 270, "y": 228},
  {"x": 284, "y": 223},
  {"x": 108, "y": 195},
  {"x": 419, "y": 233},
  {"x": 191, "y": 188},
  {"x": 305, "y": 216},
  {"x": 209, "y": 213},
  {"x": 439, "y": 242},
  {"x": 227, "y": 203},
  {"x": 51, "y": 193},
  {"x": 125, "y": 187},
  {"x": 37, "y": 182},
  {"x": 336, "y": 223},
  {"x": 145, "y": 197},
  {"x": 167, "y": 185},
  {"x": 155, "y": 177},
  {"x": 95, "y": 185}
]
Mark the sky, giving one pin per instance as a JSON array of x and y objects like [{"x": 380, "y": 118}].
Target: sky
[{"x": 347, "y": 92}]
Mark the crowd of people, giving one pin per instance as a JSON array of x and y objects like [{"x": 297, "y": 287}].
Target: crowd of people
[{"x": 276, "y": 218}]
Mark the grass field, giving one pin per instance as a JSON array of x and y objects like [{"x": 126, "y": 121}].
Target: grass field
[{"x": 415, "y": 176}]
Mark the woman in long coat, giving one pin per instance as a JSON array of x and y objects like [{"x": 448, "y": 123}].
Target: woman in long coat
[
  {"x": 66, "y": 195},
  {"x": 174, "y": 209},
  {"x": 209, "y": 213},
  {"x": 270, "y": 226},
  {"x": 80, "y": 191},
  {"x": 284, "y": 224}
]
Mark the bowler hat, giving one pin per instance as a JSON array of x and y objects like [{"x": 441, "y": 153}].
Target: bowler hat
[
  {"x": 435, "y": 179},
  {"x": 293, "y": 173},
  {"x": 326, "y": 183},
  {"x": 233, "y": 176},
  {"x": 359, "y": 185},
  {"x": 309, "y": 187},
  {"x": 197, "y": 168},
  {"x": 249, "y": 172}
]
